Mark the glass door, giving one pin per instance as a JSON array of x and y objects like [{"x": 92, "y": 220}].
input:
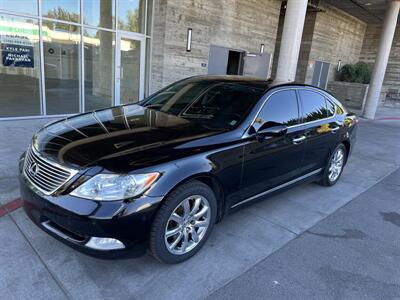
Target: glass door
[{"x": 129, "y": 68}]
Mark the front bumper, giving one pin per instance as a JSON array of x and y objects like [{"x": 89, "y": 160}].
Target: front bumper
[{"x": 74, "y": 220}]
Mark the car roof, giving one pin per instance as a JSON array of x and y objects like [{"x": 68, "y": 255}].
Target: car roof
[
  {"x": 257, "y": 82},
  {"x": 268, "y": 83}
]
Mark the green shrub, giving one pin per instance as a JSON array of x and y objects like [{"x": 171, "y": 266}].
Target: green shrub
[{"x": 359, "y": 72}]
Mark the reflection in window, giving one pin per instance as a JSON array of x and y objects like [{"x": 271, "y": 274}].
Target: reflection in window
[
  {"x": 61, "y": 68},
  {"x": 280, "y": 108},
  {"x": 149, "y": 16},
  {"x": 20, "y": 6},
  {"x": 314, "y": 106},
  {"x": 19, "y": 67},
  {"x": 216, "y": 105},
  {"x": 100, "y": 13},
  {"x": 129, "y": 72},
  {"x": 99, "y": 63},
  {"x": 131, "y": 15},
  {"x": 65, "y": 10},
  {"x": 330, "y": 108}
]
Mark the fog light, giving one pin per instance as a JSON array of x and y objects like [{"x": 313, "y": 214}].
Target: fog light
[{"x": 104, "y": 244}]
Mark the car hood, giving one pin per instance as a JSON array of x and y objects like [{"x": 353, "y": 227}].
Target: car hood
[{"x": 119, "y": 139}]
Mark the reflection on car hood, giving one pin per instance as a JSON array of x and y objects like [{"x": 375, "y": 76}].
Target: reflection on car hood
[{"x": 119, "y": 138}]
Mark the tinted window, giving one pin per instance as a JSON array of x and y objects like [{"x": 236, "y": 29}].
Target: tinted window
[
  {"x": 281, "y": 108},
  {"x": 331, "y": 108},
  {"x": 314, "y": 106},
  {"x": 215, "y": 104}
]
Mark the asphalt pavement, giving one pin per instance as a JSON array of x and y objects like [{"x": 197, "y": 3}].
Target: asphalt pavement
[{"x": 352, "y": 254}]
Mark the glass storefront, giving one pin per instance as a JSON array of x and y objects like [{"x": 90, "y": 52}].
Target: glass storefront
[
  {"x": 99, "y": 60},
  {"x": 68, "y": 56},
  {"x": 20, "y": 67}
]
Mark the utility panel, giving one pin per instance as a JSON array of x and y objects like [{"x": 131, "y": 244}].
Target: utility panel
[
  {"x": 226, "y": 61},
  {"x": 257, "y": 65},
  {"x": 321, "y": 73}
]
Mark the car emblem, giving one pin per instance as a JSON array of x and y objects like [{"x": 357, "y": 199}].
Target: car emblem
[{"x": 34, "y": 169}]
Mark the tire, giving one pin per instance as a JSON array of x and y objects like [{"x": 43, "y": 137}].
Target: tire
[
  {"x": 192, "y": 238},
  {"x": 327, "y": 179}
]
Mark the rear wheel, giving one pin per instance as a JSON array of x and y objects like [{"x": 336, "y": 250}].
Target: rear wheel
[
  {"x": 334, "y": 167},
  {"x": 183, "y": 222}
]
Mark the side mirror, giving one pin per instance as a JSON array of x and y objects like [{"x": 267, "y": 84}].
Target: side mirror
[{"x": 271, "y": 130}]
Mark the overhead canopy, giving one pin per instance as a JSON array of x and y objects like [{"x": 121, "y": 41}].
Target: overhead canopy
[{"x": 369, "y": 11}]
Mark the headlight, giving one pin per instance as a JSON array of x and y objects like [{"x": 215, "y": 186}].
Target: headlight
[
  {"x": 109, "y": 187},
  {"x": 35, "y": 142}
]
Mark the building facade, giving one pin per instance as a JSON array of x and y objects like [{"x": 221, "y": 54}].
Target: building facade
[
  {"x": 61, "y": 57},
  {"x": 68, "y": 56}
]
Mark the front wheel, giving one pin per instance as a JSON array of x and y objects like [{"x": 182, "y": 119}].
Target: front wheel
[
  {"x": 183, "y": 222},
  {"x": 334, "y": 167}
]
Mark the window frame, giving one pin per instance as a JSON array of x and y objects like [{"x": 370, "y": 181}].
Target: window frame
[
  {"x": 269, "y": 96},
  {"x": 300, "y": 105}
]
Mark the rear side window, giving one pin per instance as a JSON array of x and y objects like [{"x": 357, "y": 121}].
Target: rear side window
[
  {"x": 280, "y": 108},
  {"x": 314, "y": 106}
]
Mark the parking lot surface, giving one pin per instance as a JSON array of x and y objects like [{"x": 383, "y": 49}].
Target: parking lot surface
[{"x": 36, "y": 266}]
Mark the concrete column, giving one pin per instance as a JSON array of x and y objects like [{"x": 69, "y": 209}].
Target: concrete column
[
  {"x": 382, "y": 57},
  {"x": 291, "y": 40}
]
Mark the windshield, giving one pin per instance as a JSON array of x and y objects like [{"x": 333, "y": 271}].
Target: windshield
[{"x": 215, "y": 104}]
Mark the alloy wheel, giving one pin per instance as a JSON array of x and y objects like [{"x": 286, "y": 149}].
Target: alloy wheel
[
  {"x": 187, "y": 225},
  {"x": 336, "y": 165}
]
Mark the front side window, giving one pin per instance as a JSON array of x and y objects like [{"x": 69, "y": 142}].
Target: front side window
[
  {"x": 214, "y": 104},
  {"x": 314, "y": 106},
  {"x": 280, "y": 108}
]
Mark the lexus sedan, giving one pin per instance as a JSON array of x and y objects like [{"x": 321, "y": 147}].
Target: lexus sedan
[{"x": 160, "y": 173}]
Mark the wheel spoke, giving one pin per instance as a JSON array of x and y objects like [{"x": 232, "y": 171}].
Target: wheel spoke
[
  {"x": 194, "y": 235},
  {"x": 185, "y": 241},
  {"x": 176, "y": 242},
  {"x": 201, "y": 213},
  {"x": 200, "y": 224},
  {"x": 196, "y": 206},
  {"x": 186, "y": 207},
  {"x": 177, "y": 218},
  {"x": 173, "y": 231}
]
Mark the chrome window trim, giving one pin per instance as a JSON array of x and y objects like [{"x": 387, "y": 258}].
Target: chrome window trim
[
  {"x": 281, "y": 186},
  {"x": 296, "y": 89}
]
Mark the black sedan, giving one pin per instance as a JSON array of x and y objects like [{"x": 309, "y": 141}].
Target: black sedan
[{"x": 159, "y": 174}]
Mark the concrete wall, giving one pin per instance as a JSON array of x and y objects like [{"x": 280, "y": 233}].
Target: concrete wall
[
  {"x": 369, "y": 51},
  {"x": 336, "y": 36},
  {"x": 306, "y": 44},
  {"x": 237, "y": 24},
  {"x": 351, "y": 94}
]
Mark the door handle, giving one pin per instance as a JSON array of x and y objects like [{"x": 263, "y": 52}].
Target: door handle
[
  {"x": 299, "y": 139},
  {"x": 333, "y": 130}
]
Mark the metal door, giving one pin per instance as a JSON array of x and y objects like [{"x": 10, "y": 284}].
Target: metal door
[
  {"x": 257, "y": 65},
  {"x": 218, "y": 60},
  {"x": 320, "y": 75}
]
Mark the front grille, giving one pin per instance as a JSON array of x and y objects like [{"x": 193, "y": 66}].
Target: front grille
[{"x": 45, "y": 175}]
